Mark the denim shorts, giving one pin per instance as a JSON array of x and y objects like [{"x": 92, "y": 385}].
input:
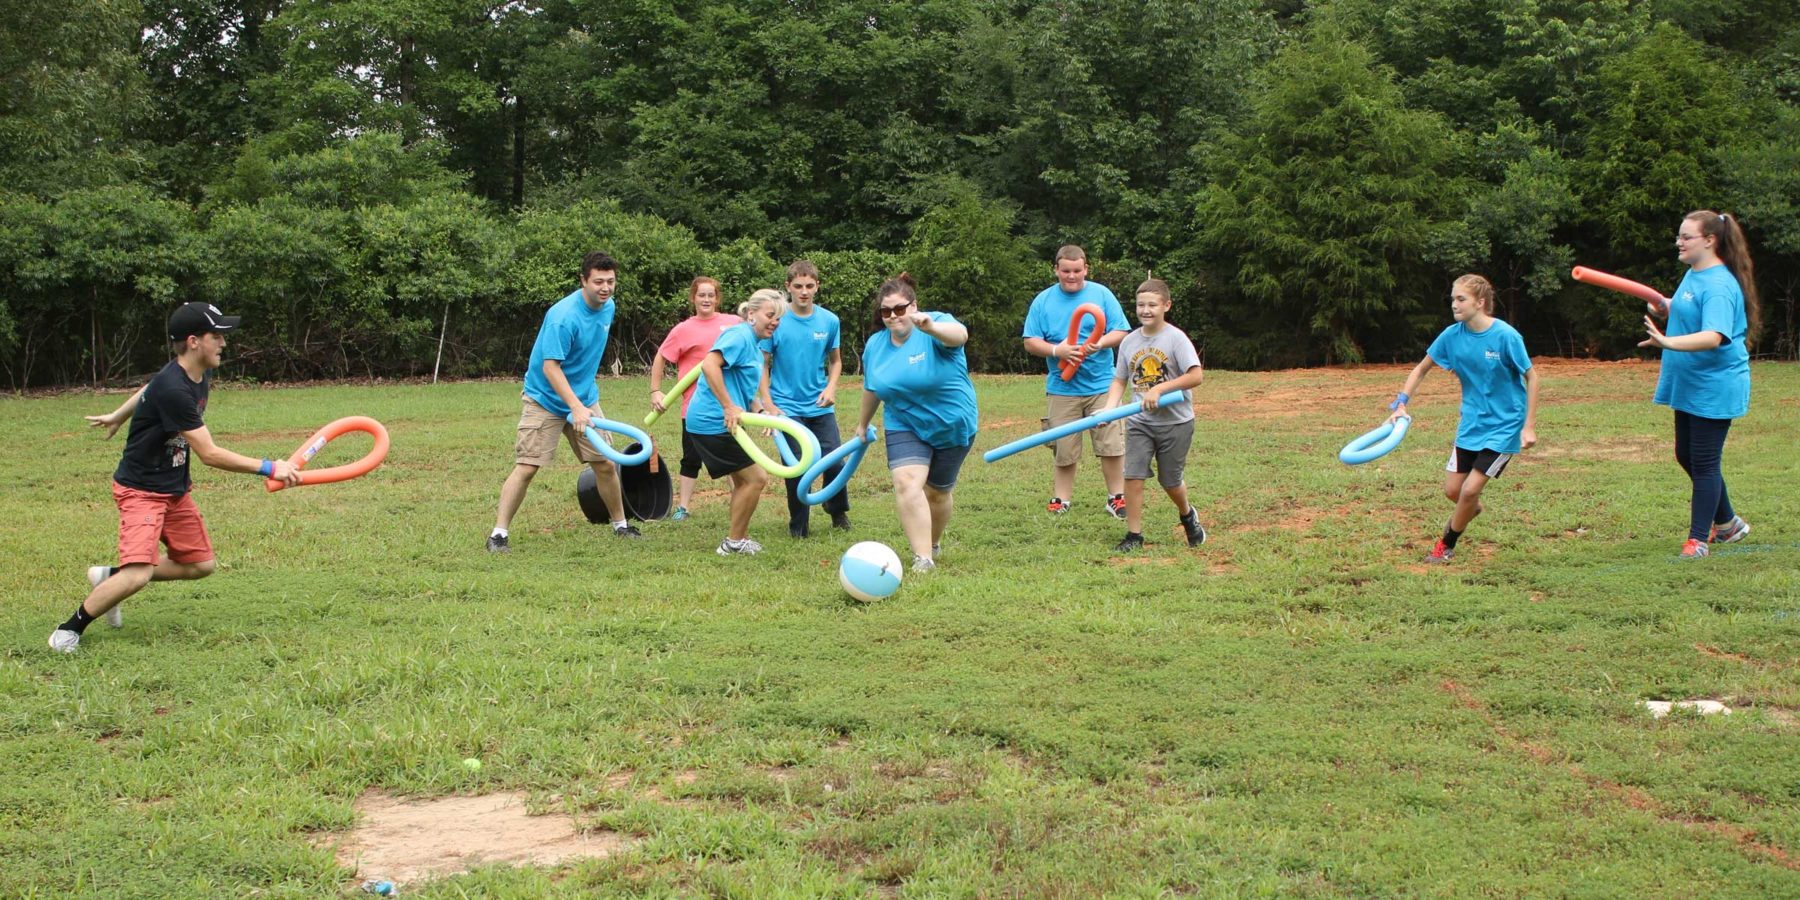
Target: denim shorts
[{"x": 905, "y": 449}]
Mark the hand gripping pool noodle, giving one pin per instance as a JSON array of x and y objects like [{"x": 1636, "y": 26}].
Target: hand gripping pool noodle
[
  {"x": 809, "y": 445},
  {"x": 1069, "y": 366},
  {"x": 1061, "y": 431},
  {"x": 854, "y": 449},
  {"x": 642, "y": 438},
  {"x": 681, "y": 384},
  {"x": 332, "y": 431},
  {"x": 1611, "y": 282},
  {"x": 1375, "y": 444}
]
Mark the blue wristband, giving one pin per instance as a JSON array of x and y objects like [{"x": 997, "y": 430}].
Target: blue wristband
[
  {"x": 1399, "y": 400},
  {"x": 267, "y": 469}
]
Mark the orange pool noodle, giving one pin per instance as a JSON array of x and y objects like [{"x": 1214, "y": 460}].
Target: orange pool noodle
[
  {"x": 1601, "y": 279},
  {"x": 332, "y": 431},
  {"x": 1069, "y": 366}
]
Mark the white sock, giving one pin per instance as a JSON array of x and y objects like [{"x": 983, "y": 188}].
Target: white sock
[
  {"x": 620, "y": 525},
  {"x": 498, "y": 532}
]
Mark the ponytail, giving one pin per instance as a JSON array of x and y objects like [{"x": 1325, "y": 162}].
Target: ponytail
[{"x": 1734, "y": 251}]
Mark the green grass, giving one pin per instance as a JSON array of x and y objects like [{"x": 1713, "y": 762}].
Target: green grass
[{"x": 1298, "y": 708}]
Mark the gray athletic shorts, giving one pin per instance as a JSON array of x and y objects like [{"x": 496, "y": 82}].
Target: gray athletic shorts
[{"x": 1167, "y": 444}]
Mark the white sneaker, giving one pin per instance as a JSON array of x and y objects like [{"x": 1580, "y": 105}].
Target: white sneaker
[
  {"x": 97, "y": 574},
  {"x": 921, "y": 564},
  {"x": 63, "y": 640},
  {"x": 728, "y": 547}
]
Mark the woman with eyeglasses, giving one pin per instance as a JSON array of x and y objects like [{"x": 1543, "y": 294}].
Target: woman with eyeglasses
[
  {"x": 1705, "y": 378},
  {"x": 916, "y": 365}
]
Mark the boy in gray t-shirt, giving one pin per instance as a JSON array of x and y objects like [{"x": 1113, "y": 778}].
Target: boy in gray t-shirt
[{"x": 1152, "y": 361}]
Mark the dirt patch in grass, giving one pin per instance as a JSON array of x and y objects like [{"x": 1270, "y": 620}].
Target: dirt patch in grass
[
  {"x": 1716, "y": 653},
  {"x": 1633, "y": 448},
  {"x": 1745, "y": 838},
  {"x": 405, "y": 840},
  {"x": 1008, "y": 423}
]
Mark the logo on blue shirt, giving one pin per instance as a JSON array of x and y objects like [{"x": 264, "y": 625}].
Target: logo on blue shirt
[{"x": 915, "y": 360}]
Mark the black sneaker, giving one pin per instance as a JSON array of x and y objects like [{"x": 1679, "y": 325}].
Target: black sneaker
[
  {"x": 799, "y": 531},
  {"x": 627, "y": 530},
  {"x": 1132, "y": 541},
  {"x": 1116, "y": 505},
  {"x": 1196, "y": 532},
  {"x": 840, "y": 521},
  {"x": 497, "y": 544}
]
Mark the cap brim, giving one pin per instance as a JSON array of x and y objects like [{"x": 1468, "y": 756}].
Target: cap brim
[{"x": 226, "y": 323}]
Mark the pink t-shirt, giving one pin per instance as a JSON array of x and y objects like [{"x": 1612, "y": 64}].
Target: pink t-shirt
[{"x": 687, "y": 344}]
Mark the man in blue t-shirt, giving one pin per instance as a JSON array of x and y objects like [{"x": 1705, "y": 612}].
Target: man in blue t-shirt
[
  {"x": 1090, "y": 362},
  {"x": 560, "y": 385},
  {"x": 802, "y": 364}
]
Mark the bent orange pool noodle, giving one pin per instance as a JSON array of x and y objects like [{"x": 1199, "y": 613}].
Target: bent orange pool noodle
[
  {"x": 1601, "y": 279},
  {"x": 1069, "y": 366},
  {"x": 331, "y": 432}
]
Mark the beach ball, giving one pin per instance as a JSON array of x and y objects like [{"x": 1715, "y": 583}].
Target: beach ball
[{"x": 870, "y": 571}]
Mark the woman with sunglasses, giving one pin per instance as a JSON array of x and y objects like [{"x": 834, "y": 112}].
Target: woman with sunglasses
[
  {"x": 916, "y": 366},
  {"x": 1705, "y": 375}
]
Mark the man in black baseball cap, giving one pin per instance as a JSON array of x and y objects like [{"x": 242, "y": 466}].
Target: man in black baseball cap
[
  {"x": 151, "y": 486},
  {"x": 190, "y": 319}
]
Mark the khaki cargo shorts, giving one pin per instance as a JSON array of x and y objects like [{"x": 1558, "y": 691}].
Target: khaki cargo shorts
[
  {"x": 538, "y": 429},
  {"x": 1108, "y": 439}
]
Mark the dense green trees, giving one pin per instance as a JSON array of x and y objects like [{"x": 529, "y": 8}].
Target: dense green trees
[{"x": 388, "y": 187}]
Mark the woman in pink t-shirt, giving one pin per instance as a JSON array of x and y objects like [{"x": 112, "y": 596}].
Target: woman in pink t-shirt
[{"x": 684, "y": 348}]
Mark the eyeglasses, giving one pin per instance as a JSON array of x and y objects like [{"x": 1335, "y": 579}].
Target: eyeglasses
[
  {"x": 894, "y": 312},
  {"x": 1684, "y": 238}
]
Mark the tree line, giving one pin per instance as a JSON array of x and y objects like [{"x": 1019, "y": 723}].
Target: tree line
[{"x": 393, "y": 187}]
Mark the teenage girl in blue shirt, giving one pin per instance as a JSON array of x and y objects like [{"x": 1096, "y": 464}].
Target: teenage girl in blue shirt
[
  {"x": 915, "y": 364},
  {"x": 1499, "y": 402},
  {"x": 1705, "y": 374}
]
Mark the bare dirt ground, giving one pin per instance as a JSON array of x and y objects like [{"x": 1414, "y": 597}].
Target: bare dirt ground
[{"x": 403, "y": 840}]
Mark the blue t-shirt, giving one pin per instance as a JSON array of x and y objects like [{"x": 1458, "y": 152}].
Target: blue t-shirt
[
  {"x": 574, "y": 336},
  {"x": 1711, "y": 383},
  {"x": 798, "y": 351},
  {"x": 1048, "y": 318},
  {"x": 924, "y": 387},
  {"x": 1491, "y": 365},
  {"x": 743, "y": 374}
]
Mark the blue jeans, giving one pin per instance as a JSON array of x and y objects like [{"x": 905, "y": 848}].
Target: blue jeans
[
  {"x": 825, "y": 428},
  {"x": 1699, "y": 445}
]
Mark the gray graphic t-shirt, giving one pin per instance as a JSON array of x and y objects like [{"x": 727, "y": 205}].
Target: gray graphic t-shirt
[{"x": 1147, "y": 360}]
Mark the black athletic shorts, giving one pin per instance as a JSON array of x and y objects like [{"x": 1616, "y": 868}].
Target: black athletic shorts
[{"x": 1488, "y": 462}]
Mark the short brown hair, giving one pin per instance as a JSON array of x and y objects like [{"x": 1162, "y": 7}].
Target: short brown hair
[
  {"x": 597, "y": 261},
  {"x": 1071, "y": 252},
  {"x": 1158, "y": 287},
  {"x": 801, "y": 268}
]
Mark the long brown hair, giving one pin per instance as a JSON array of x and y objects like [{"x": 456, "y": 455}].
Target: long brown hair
[{"x": 1734, "y": 251}]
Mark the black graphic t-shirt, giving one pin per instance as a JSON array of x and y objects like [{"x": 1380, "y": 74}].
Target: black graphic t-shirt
[{"x": 156, "y": 455}]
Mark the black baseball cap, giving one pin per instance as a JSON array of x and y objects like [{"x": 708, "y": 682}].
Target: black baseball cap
[{"x": 199, "y": 318}]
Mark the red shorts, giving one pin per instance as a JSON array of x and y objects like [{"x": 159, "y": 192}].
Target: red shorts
[{"x": 146, "y": 518}]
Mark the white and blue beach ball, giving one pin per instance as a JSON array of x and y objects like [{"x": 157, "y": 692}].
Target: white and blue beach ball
[{"x": 870, "y": 571}]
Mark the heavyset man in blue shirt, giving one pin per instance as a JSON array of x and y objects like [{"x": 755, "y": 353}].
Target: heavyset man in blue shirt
[{"x": 1046, "y": 334}]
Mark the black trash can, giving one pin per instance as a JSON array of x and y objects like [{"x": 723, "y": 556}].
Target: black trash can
[{"x": 645, "y": 488}]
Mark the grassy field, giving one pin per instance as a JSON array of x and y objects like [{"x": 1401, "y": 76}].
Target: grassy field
[{"x": 1297, "y": 708}]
